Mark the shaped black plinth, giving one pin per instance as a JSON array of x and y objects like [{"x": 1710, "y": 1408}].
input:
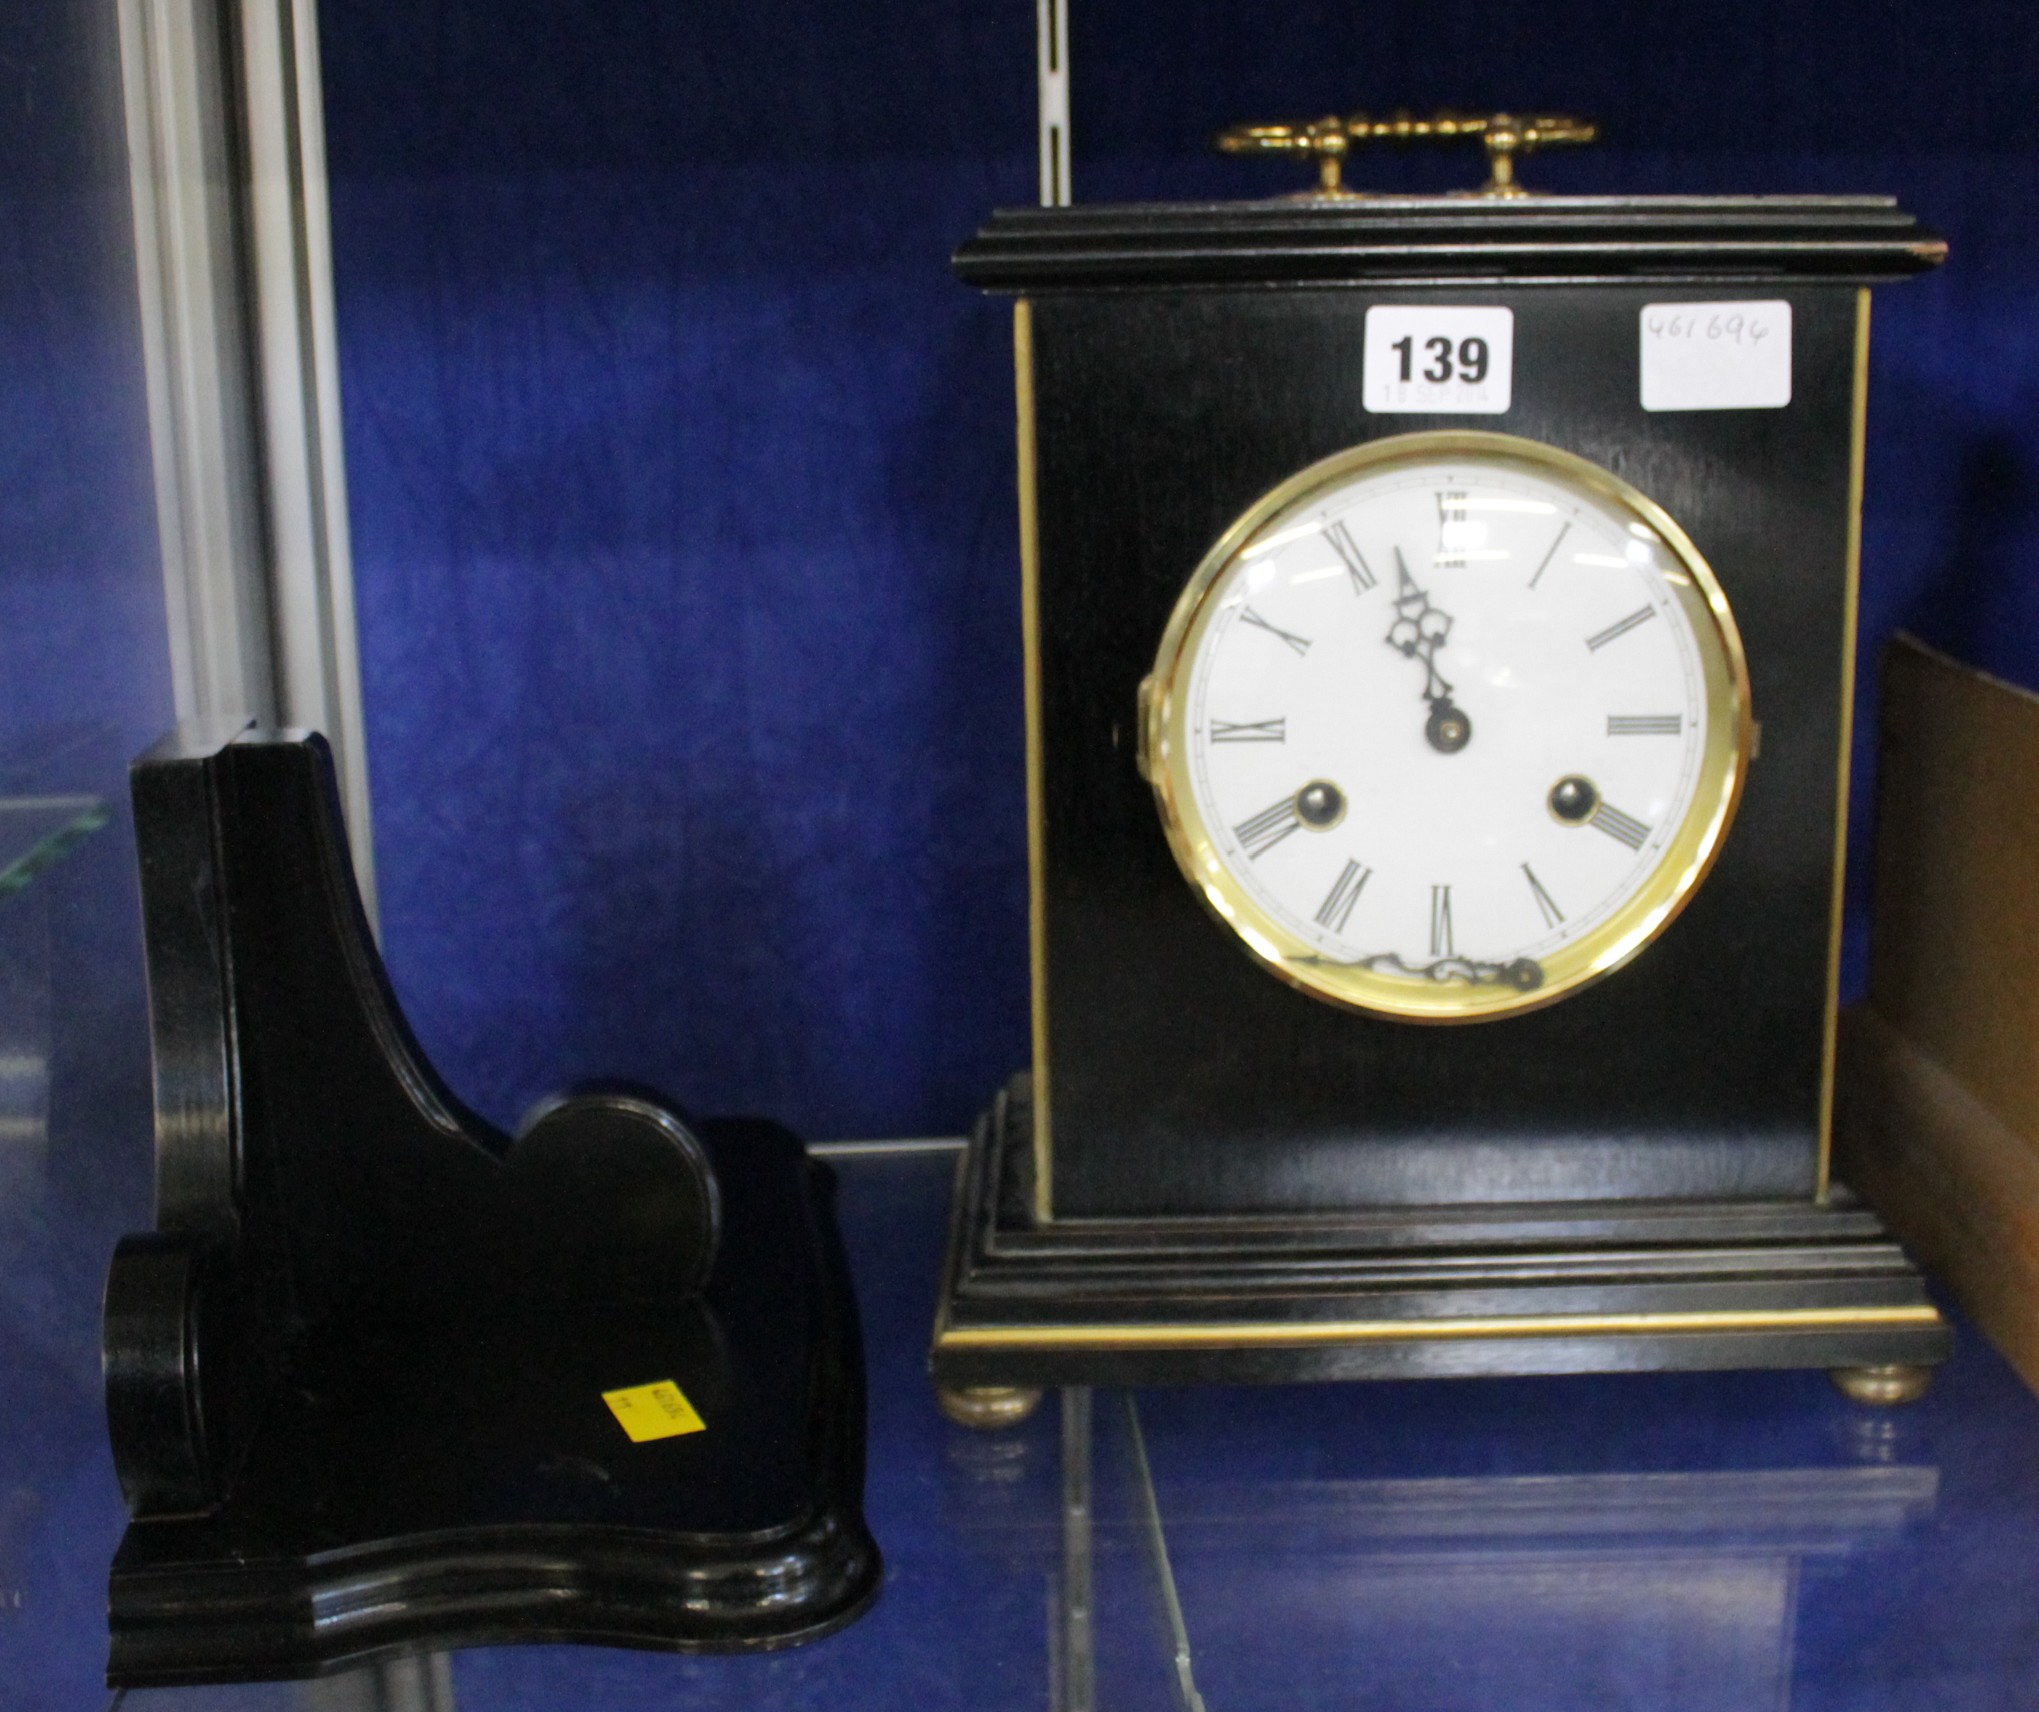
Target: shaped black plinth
[
  {"x": 1411, "y": 1292},
  {"x": 355, "y": 1379}
]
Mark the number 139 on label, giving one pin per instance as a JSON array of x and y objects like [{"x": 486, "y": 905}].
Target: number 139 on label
[{"x": 1439, "y": 361}]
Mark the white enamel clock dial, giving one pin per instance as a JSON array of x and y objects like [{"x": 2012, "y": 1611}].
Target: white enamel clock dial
[{"x": 1449, "y": 725}]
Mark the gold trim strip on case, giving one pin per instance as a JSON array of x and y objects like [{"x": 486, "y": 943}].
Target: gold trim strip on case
[
  {"x": 1837, "y": 906},
  {"x": 1410, "y": 1331},
  {"x": 1037, "y": 836}
]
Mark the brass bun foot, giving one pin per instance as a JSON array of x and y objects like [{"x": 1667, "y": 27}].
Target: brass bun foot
[
  {"x": 987, "y": 1407},
  {"x": 1882, "y": 1387}
]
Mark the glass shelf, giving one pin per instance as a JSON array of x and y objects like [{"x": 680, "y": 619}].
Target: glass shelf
[{"x": 1681, "y": 1542}]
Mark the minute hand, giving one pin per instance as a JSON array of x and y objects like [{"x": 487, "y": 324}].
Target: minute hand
[{"x": 1419, "y": 631}]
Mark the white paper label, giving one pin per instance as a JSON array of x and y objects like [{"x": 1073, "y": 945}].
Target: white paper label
[
  {"x": 1438, "y": 362},
  {"x": 1716, "y": 356}
]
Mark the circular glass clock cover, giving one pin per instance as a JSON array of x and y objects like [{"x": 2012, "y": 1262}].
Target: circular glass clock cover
[{"x": 1448, "y": 725}]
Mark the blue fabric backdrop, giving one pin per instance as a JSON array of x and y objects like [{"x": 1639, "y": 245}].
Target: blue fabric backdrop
[
  {"x": 84, "y": 683},
  {"x": 682, "y": 469}
]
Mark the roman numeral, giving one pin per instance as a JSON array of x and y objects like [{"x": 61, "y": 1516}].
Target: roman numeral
[
  {"x": 1336, "y": 909},
  {"x": 1249, "y": 731},
  {"x": 1440, "y": 922},
  {"x": 1451, "y": 508},
  {"x": 1621, "y": 627},
  {"x": 1552, "y": 554},
  {"x": 1645, "y": 724},
  {"x": 1622, "y": 828},
  {"x": 1546, "y": 905},
  {"x": 1347, "y": 549},
  {"x": 1268, "y": 828},
  {"x": 1249, "y": 616}
]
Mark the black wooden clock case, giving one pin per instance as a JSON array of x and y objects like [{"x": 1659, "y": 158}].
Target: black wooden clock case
[{"x": 1210, "y": 1175}]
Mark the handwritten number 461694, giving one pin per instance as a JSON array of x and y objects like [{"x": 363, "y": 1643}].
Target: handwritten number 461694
[{"x": 1713, "y": 329}]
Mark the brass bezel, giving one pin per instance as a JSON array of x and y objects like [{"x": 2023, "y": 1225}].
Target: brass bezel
[{"x": 1687, "y": 857}]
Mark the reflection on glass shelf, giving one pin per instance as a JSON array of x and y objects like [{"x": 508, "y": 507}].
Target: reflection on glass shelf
[
  {"x": 24, "y": 1039},
  {"x": 1676, "y": 1589},
  {"x": 423, "y": 1683},
  {"x": 74, "y": 1173},
  {"x": 35, "y": 832}
]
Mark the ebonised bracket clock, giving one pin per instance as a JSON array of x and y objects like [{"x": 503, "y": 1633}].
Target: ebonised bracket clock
[{"x": 1439, "y": 623}]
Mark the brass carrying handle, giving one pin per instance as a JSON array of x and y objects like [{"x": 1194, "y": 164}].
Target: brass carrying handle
[{"x": 1329, "y": 141}]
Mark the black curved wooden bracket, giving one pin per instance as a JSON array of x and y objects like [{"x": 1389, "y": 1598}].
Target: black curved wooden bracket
[{"x": 355, "y": 1377}]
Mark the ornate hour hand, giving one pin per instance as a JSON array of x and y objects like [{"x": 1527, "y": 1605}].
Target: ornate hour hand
[{"x": 1419, "y": 630}]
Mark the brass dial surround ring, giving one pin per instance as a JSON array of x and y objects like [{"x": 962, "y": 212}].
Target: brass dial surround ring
[{"x": 1686, "y": 854}]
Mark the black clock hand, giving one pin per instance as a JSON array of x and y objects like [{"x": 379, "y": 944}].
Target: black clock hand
[{"x": 1419, "y": 631}]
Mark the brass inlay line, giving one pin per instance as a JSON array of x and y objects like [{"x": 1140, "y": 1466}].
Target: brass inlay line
[
  {"x": 1037, "y": 834},
  {"x": 1410, "y": 1331},
  {"x": 1837, "y": 905}
]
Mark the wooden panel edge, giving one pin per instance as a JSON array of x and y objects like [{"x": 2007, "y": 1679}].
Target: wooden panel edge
[{"x": 1958, "y": 1186}]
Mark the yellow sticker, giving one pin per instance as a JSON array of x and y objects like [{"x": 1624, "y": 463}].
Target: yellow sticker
[{"x": 659, "y": 1411}]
